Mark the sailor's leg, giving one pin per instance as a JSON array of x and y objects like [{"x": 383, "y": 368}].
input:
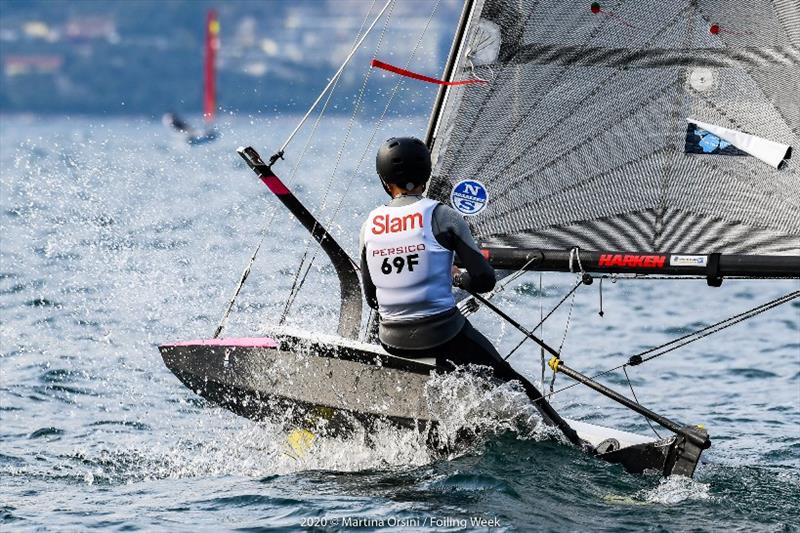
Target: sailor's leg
[{"x": 471, "y": 347}]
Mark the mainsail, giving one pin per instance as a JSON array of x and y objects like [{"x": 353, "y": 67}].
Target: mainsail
[{"x": 582, "y": 136}]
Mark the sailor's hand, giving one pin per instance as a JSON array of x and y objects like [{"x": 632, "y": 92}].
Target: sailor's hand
[{"x": 456, "y": 272}]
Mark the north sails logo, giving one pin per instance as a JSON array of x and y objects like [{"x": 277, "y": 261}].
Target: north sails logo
[
  {"x": 469, "y": 197},
  {"x": 632, "y": 261}
]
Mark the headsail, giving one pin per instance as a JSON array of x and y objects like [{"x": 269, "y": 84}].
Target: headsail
[{"x": 581, "y": 134}]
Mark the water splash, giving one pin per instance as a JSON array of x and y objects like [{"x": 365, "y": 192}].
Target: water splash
[
  {"x": 676, "y": 489},
  {"x": 471, "y": 406}
]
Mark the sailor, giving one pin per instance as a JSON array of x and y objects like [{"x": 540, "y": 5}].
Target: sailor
[{"x": 407, "y": 250}]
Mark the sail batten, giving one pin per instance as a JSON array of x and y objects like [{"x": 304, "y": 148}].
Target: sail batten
[{"x": 581, "y": 135}]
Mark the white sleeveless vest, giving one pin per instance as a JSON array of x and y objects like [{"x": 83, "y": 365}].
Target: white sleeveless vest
[{"x": 411, "y": 271}]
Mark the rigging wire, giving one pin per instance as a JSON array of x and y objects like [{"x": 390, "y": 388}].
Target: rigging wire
[
  {"x": 356, "y": 108},
  {"x": 674, "y": 344},
  {"x": 244, "y": 275},
  {"x": 571, "y": 292},
  {"x": 691, "y": 337},
  {"x": 302, "y": 155},
  {"x": 335, "y": 76},
  {"x": 332, "y": 86},
  {"x": 709, "y": 330},
  {"x": 379, "y": 122},
  {"x": 298, "y": 281},
  {"x": 630, "y": 385},
  {"x": 374, "y": 133},
  {"x": 470, "y": 305},
  {"x": 541, "y": 329}
]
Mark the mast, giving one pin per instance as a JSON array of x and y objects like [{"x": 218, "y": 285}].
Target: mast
[
  {"x": 455, "y": 49},
  {"x": 209, "y": 67}
]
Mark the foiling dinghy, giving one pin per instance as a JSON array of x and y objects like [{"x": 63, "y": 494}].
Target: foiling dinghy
[{"x": 644, "y": 126}]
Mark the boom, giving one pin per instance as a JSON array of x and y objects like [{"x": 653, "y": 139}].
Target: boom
[{"x": 713, "y": 266}]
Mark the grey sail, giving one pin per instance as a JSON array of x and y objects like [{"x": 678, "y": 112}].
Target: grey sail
[{"x": 582, "y": 134}]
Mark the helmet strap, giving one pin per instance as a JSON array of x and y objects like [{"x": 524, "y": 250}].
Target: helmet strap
[{"x": 386, "y": 187}]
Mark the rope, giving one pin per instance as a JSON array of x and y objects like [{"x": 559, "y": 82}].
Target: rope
[
  {"x": 566, "y": 330},
  {"x": 601, "y": 313},
  {"x": 542, "y": 321},
  {"x": 335, "y": 76},
  {"x": 375, "y": 129},
  {"x": 298, "y": 280},
  {"x": 575, "y": 254},
  {"x": 569, "y": 318},
  {"x": 699, "y": 334}
]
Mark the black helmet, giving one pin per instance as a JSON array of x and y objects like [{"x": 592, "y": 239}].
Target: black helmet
[{"x": 404, "y": 161}]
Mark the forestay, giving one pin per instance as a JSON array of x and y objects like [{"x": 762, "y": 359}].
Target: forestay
[{"x": 582, "y": 135}]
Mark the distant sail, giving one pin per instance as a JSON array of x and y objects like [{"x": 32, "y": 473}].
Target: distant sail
[
  {"x": 580, "y": 136},
  {"x": 210, "y": 66}
]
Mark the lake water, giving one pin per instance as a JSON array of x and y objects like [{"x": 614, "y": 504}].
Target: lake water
[{"x": 116, "y": 237}]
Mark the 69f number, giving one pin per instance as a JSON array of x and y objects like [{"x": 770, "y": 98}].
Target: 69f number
[{"x": 399, "y": 262}]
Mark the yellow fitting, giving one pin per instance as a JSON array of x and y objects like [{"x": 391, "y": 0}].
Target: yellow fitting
[
  {"x": 553, "y": 363},
  {"x": 300, "y": 442}
]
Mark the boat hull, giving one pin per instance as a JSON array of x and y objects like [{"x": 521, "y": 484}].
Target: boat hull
[
  {"x": 302, "y": 381},
  {"x": 333, "y": 384}
]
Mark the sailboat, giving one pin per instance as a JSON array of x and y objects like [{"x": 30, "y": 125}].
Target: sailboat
[
  {"x": 210, "y": 132},
  {"x": 641, "y": 139}
]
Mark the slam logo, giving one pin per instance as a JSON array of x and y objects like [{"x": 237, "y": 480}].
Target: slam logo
[{"x": 469, "y": 197}]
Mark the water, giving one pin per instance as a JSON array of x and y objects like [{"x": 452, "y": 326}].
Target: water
[{"x": 115, "y": 238}]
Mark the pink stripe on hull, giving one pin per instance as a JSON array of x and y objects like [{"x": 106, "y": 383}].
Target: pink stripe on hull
[
  {"x": 275, "y": 185},
  {"x": 250, "y": 342}
]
